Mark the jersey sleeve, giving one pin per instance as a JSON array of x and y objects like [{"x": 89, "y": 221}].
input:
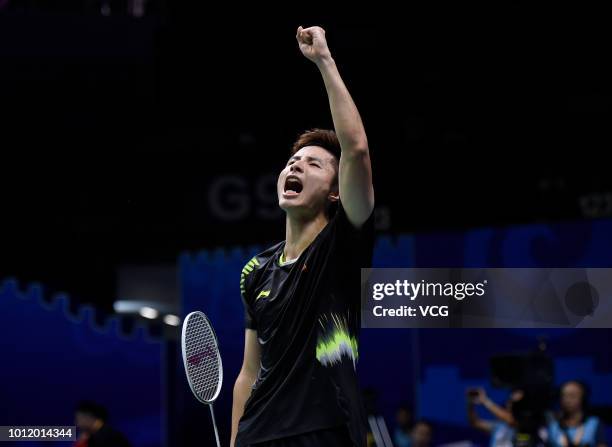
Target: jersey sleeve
[
  {"x": 247, "y": 301},
  {"x": 355, "y": 246}
]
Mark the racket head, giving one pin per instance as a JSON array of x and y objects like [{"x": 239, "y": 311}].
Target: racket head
[{"x": 201, "y": 357}]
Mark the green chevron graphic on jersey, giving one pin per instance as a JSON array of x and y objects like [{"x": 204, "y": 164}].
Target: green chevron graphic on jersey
[
  {"x": 248, "y": 268},
  {"x": 336, "y": 341}
]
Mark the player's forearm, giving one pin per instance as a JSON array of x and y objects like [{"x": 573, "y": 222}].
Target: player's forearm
[
  {"x": 347, "y": 121},
  {"x": 497, "y": 411},
  {"x": 475, "y": 420},
  {"x": 242, "y": 391}
]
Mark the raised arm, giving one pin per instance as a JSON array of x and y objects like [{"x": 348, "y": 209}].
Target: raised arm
[
  {"x": 355, "y": 171},
  {"x": 499, "y": 412}
]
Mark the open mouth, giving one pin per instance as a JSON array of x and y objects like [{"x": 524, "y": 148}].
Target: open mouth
[{"x": 293, "y": 185}]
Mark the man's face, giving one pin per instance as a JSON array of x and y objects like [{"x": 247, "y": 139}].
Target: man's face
[
  {"x": 403, "y": 417},
  {"x": 306, "y": 184},
  {"x": 84, "y": 421},
  {"x": 421, "y": 434},
  {"x": 571, "y": 397}
]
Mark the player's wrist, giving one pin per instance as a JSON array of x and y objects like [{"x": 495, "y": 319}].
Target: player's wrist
[{"x": 325, "y": 62}]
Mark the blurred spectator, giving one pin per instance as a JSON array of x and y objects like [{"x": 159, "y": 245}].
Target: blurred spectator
[
  {"x": 502, "y": 429},
  {"x": 403, "y": 419},
  {"x": 421, "y": 434},
  {"x": 573, "y": 426},
  {"x": 90, "y": 419}
]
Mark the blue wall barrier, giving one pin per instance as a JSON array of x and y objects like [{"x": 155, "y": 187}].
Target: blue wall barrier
[{"x": 52, "y": 358}]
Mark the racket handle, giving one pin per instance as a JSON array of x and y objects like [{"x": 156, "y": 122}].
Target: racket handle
[{"x": 212, "y": 414}]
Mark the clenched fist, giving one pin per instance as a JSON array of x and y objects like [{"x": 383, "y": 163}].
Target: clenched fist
[{"x": 313, "y": 44}]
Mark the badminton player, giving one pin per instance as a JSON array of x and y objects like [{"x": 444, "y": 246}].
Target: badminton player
[{"x": 298, "y": 386}]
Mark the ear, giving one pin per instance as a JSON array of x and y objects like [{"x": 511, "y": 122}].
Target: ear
[{"x": 334, "y": 196}]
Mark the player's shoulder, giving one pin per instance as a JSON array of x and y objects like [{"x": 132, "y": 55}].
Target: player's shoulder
[
  {"x": 255, "y": 267},
  {"x": 262, "y": 258}
]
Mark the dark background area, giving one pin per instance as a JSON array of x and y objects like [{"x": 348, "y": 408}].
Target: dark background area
[{"x": 128, "y": 139}]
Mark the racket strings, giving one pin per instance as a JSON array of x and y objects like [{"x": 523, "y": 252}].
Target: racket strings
[{"x": 202, "y": 358}]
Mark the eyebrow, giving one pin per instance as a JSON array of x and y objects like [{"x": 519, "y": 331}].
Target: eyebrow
[{"x": 308, "y": 158}]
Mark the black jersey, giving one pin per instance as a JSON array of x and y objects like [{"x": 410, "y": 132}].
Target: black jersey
[{"x": 307, "y": 317}]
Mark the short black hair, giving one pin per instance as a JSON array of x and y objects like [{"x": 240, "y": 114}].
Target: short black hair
[
  {"x": 93, "y": 409},
  {"x": 325, "y": 138}
]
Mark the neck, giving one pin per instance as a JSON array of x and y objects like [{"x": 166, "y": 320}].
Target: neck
[
  {"x": 299, "y": 233},
  {"x": 573, "y": 418}
]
